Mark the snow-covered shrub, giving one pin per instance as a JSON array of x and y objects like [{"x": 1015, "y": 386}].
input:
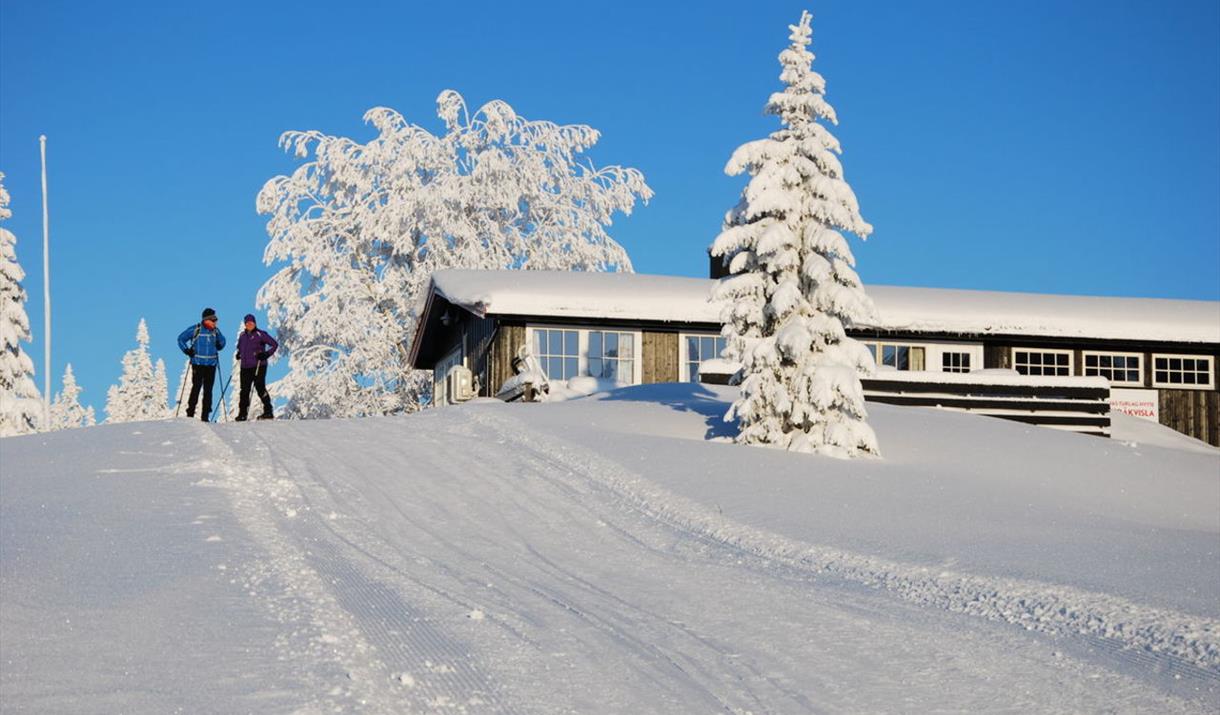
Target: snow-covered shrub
[
  {"x": 358, "y": 230},
  {"x": 792, "y": 289}
]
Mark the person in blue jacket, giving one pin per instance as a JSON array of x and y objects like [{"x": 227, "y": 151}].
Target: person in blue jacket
[
  {"x": 202, "y": 343},
  {"x": 254, "y": 346}
]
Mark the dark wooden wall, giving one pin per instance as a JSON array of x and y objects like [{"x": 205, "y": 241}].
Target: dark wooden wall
[
  {"x": 478, "y": 334},
  {"x": 1192, "y": 412},
  {"x": 502, "y": 348},
  {"x": 660, "y": 357},
  {"x": 997, "y": 356},
  {"x": 1082, "y": 409}
]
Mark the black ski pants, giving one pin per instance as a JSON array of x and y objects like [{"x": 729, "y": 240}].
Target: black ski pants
[
  {"x": 202, "y": 376},
  {"x": 256, "y": 376}
]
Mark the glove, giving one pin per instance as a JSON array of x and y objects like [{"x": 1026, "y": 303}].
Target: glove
[
  {"x": 190, "y": 352},
  {"x": 262, "y": 356}
]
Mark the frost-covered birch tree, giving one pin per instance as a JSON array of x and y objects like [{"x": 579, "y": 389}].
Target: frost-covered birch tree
[
  {"x": 141, "y": 392},
  {"x": 20, "y": 404},
  {"x": 792, "y": 288},
  {"x": 358, "y": 230},
  {"x": 66, "y": 409}
]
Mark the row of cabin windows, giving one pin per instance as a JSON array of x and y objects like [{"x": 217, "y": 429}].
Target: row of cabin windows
[
  {"x": 612, "y": 355},
  {"x": 1187, "y": 371}
]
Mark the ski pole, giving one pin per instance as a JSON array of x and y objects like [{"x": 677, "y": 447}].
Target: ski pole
[
  {"x": 182, "y": 390},
  {"x": 188, "y": 367},
  {"x": 223, "y": 387}
]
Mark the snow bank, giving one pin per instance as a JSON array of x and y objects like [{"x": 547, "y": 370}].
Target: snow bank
[
  {"x": 604, "y": 554},
  {"x": 1137, "y": 431},
  {"x": 1050, "y": 530}
]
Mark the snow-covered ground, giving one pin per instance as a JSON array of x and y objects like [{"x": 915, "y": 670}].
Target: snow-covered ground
[{"x": 610, "y": 554}]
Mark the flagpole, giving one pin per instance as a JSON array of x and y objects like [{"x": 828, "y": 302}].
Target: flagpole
[{"x": 46, "y": 294}]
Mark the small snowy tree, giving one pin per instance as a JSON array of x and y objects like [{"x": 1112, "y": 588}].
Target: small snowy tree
[
  {"x": 161, "y": 387},
  {"x": 66, "y": 410},
  {"x": 141, "y": 392},
  {"x": 792, "y": 289},
  {"x": 360, "y": 229},
  {"x": 20, "y": 405}
]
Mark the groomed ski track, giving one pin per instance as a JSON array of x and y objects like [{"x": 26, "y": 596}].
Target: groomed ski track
[
  {"x": 472, "y": 564},
  {"x": 497, "y": 558}
]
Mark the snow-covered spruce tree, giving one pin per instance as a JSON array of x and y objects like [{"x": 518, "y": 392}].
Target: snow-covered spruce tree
[
  {"x": 141, "y": 392},
  {"x": 792, "y": 288},
  {"x": 20, "y": 406},
  {"x": 161, "y": 387},
  {"x": 360, "y": 228},
  {"x": 66, "y": 410}
]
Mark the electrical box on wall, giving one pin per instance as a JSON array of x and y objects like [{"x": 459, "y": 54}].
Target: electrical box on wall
[{"x": 459, "y": 384}]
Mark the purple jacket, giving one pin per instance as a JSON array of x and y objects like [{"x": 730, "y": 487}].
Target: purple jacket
[{"x": 250, "y": 344}]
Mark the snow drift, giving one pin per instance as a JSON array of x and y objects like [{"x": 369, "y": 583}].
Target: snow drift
[{"x": 606, "y": 554}]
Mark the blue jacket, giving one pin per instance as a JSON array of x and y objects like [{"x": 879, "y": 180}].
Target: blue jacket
[{"x": 207, "y": 344}]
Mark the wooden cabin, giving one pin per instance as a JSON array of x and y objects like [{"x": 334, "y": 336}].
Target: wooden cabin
[{"x": 1159, "y": 356}]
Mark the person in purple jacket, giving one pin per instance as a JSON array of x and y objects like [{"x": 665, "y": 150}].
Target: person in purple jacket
[{"x": 254, "y": 346}]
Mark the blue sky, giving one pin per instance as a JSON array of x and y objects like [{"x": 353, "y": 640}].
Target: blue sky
[{"x": 1058, "y": 147}]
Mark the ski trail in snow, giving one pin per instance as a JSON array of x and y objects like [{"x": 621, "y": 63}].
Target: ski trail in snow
[
  {"x": 469, "y": 563},
  {"x": 462, "y": 571},
  {"x": 1163, "y": 640},
  {"x": 384, "y": 658}
]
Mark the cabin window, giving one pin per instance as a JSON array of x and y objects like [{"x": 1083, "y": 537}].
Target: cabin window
[
  {"x": 612, "y": 355},
  {"x": 1186, "y": 372},
  {"x": 1042, "y": 362},
  {"x": 1118, "y": 368},
  {"x": 698, "y": 349},
  {"x": 898, "y": 356},
  {"x": 954, "y": 362},
  {"x": 568, "y": 352},
  {"x": 558, "y": 352}
]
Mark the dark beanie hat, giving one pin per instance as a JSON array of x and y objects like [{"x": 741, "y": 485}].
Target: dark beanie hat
[
  {"x": 249, "y": 319},
  {"x": 209, "y": 314}
]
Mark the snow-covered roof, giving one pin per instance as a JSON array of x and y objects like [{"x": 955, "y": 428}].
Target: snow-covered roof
[
  {"x": 567, "y": 294},
  {"x": 634, "y": 296}
]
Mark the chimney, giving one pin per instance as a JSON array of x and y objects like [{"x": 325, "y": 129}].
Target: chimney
[{"x": 716, "y": 267}]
